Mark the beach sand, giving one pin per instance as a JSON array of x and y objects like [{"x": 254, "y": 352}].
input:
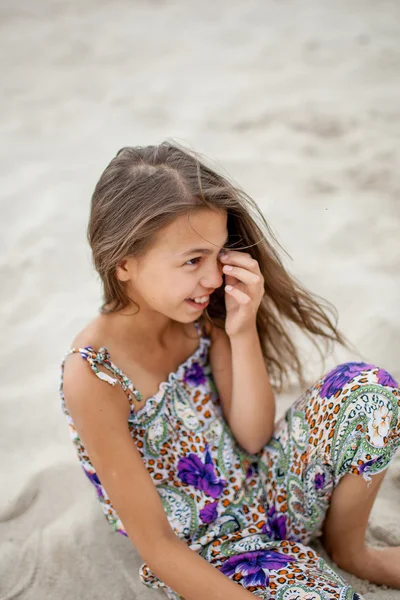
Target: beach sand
[{"x": 299, "y": 102}]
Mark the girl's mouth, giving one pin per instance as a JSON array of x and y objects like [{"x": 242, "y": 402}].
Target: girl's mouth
[{"x": 198, "y": 305}]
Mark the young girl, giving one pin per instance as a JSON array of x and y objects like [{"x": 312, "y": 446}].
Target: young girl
[{"x": 172, "y": 409}]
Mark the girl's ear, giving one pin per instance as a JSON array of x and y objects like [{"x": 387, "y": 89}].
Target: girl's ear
[{"x": 123, "y": 270}]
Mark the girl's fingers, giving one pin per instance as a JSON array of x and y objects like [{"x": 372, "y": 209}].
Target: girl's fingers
[
  {"x": 242, "y": 274},
  {"x": 241, "y": 259},
  {"x": 240, "y": 296}
]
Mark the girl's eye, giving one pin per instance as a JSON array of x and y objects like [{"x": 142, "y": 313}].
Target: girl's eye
[{"x": 193, "y": 259}]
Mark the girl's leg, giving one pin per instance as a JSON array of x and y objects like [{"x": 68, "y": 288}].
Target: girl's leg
[
  {"x": 376, "y": 437},
  {"x": 325, "y": 464},
  {"x": 344, "y": 532}
]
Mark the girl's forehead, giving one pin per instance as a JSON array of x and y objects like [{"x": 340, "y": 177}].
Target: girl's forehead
[{"x": 203, "y": 229}]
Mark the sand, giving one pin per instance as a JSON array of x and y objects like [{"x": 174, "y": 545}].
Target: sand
[{"x": 298, "y": 101}]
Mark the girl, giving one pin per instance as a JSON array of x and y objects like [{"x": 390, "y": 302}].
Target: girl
[{"x": 172, "y": 409}]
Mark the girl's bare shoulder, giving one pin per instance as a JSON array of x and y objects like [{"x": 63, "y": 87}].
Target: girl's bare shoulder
[
  {"x": 93, "y": 335},
  {"x": 79, "y": 383}
]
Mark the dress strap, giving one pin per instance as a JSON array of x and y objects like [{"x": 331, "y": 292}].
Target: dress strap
[
  {"x": 201, "y": 330},
  {"x": 102, "y": 358}
]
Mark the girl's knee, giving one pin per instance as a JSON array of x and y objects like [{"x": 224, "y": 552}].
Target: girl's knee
[
  {"x": 357, "y": 403},
  {"x": 350, "y": 375}
]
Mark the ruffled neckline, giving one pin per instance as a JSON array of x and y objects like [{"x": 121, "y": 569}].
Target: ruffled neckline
[{"x": 178, "y": 375}]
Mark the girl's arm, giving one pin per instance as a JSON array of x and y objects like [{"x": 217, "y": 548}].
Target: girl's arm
[
  {"x": 191, "y": 575},
  {"x": 100, "y": 415},
  {"x": 244, "y": 387}
]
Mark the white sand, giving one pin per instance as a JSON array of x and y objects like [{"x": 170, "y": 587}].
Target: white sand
[{"x": 298, "y": 101}]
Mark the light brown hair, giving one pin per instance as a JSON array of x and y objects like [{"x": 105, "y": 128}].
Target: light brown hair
[{"x": 144, "y": 189}]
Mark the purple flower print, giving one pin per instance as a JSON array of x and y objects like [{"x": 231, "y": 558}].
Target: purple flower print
[
  {"x": 342, "y": 374},
  {"x": 249, "y": 468},
  {"x": 194, "y": 375},
  {"x": 319, "y": 481},
  {"x": 201, "y": 475},
  {"x": 366, "y": 466},
  {"x": 339, "y": 376},
  {"x": 255, "y": 565},
  {"x": 210, "y": 512},
  {"x": 93, "y": 477},
  {"x": 250, "y": 472},
  {"x": 275, "y": 526},
  {"x": 384, "y": 378},
  {"x": 119, "y": 530}
]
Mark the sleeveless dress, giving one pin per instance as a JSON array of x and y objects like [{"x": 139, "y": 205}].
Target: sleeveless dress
[{"x": 252, "y": 516}]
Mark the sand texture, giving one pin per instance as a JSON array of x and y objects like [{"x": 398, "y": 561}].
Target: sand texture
[{"x": 299, "y": 102}]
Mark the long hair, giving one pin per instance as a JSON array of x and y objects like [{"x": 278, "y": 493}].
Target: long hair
[{"x": 144, "y": 189}]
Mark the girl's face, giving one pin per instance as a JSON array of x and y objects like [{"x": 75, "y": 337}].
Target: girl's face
[{"x": 182, "y": 263}]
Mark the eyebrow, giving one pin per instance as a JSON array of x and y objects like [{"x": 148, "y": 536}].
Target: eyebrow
[{"x": 201, "y": 250}]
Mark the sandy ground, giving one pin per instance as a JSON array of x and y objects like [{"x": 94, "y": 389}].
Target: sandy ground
[{"x": 298, "y": 101}]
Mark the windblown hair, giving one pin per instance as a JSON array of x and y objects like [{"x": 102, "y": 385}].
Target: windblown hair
[{"x": 144, "y": 189}]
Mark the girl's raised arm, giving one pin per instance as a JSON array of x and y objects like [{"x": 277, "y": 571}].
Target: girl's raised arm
[{"x": 100, "y": 415}]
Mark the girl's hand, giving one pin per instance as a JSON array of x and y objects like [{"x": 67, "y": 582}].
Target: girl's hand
[{"x": 247, "y": 290}]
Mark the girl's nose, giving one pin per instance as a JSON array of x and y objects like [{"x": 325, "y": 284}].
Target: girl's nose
[{"x": 214, "y": 276}]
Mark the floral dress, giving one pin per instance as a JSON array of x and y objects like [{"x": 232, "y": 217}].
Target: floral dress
[{"x": 252, "y": 516}]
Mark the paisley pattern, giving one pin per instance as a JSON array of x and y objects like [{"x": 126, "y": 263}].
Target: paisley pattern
[
  {"x": 180, "y": 509},
  {"x": 252, "y": 516}
]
